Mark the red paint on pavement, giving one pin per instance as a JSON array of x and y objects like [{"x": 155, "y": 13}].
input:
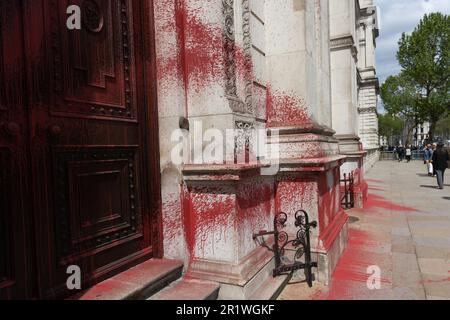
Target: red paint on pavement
[
  {"x": 351, "y": 274},
  {"x": 376, "y": 181},
  {"x": 375, "y": 201}
]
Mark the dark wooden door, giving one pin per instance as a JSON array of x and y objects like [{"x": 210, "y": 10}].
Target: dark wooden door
[
  {"x": 15, "y": 256},
  {"x": 91, "y": 138}
]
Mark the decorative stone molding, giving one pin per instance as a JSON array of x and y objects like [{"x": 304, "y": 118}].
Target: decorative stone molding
[
  {"x": 243, "y": 139},
  {"x": 344, "y": 42},
  {"x": 368, "y": 110},
  {"x": 247, "y": 48},
  {"x": 229, "y": 47},
  {"x": 236, "y": 104}
]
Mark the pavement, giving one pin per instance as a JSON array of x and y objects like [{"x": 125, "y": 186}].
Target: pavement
[{"x": 403, "y": 232}]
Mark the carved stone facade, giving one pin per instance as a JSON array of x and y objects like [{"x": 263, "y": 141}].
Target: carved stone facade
[
  {"x": 368, "y": 83},
  {"x": 249, "y": 65},
  {"x": 354, "y": 88}
]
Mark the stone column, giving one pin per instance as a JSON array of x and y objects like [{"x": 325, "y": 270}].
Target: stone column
[
  {"x": 299, "y": 109},
  {"x": 226, "y": 201},
  {"x": 369, "y": 83},
  {"x": 345, "y": 79}
]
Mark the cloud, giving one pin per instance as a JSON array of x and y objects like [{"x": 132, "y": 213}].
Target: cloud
[{"x": 398, "y": 16}]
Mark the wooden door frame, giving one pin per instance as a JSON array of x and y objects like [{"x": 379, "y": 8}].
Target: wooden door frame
[
  {"x": 146, "y": 85},
  {"x": 152, "y": 151}
]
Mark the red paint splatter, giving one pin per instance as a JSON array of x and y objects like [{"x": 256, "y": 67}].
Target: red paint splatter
[
  {"x": 376, "y": 189},
  {"x": 207, "y": 209},
  {"x": 199, "y": 56},
  {"x": 285, "y": 109},
  {"x": 375, "y": 181},
  {"x": 375, "y": 201},
  {"x": 244, "y": 63},
  {"x": 435, "y": 281},
  {"x": 329, "y": 201},
  {"x": 351, "y": 272}
]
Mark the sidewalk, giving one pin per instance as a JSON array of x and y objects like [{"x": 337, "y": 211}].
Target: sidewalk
[{"x": 404, "y": 229}]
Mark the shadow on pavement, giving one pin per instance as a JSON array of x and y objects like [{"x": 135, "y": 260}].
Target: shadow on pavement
[
  {"x": 446, "y": 198},
  {"x": 429, "y": 187},
  {"x": 423, "y": 175}
]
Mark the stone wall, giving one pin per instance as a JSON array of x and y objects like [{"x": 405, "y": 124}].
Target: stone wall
[{"x": 245, "y": 65}]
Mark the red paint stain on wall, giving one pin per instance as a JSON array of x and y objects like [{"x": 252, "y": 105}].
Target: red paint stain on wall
[
  {"x": 209, "y": 212},
  {"x": 285, "y": 109},
  {"x": 244, "y": 63},
  {"x": 329, "y": 202},
  {"x": 199, "y": 48}
]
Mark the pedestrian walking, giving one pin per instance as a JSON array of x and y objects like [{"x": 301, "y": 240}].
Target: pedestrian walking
[
  {"x": 408, "y": 153},
  {"x": 433, "y": 149},
  {"x": 401, "y": 153},
  {"x": 428, "y": 157},
  {"x": 440, "y": 163}
]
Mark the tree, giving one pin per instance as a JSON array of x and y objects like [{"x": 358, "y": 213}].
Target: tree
[
  {"x": 443, "y": 128},
  {"x": 390, "y": 126},
  {"x": 401, "y": 101},
  {"x": 421, "y": 92}
]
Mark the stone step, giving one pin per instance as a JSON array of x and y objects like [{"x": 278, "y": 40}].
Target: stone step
[
  {"x": 137, "y": 283},
  {"x": 270, "y": 289},
  {"x": 196, "y": 290}
]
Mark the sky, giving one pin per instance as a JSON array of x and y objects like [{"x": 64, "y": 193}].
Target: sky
[{"x": 398, "y": 16}]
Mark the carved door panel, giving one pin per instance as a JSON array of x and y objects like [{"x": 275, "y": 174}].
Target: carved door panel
[
  {"x": 15, "y": 256},
  {"x": 93, "y": 146}
]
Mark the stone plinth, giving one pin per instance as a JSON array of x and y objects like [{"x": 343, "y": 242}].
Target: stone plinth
[
  {"x": 224, "y": 206},
  {"x": 350, "y": 146},
  {"x": 310, "y": 181}
]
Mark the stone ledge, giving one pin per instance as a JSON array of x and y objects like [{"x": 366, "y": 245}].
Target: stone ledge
[
  {"x": 311, "y": 127},
  {"x": 355, "y": 154},
  {"x": 189, "y": 289},
  {"x": 138, "y": 282},
  {"x": 311, "y": 165},
  {"x": 225, "y": 172},
  {"x": 234, "y": 274}
]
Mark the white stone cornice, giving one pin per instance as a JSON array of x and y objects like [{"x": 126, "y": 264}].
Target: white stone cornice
[{"x": 344, "y": 42}]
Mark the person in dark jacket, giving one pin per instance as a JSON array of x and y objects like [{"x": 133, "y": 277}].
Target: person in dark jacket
[
  {"x": 401, "y": 153},
  {"x": 440, "y": 163}
]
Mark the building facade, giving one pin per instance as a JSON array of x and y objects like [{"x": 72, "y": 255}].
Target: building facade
[
  {"x": 178, "y": 129},
  {"x": 368, "y": 81},
  {"x": 353, "y": 30},
  {"x": 421, "y": 134}
]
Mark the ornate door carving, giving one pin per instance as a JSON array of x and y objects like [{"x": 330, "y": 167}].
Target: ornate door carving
[
  {"x": 92, "y": 140},
  {"x": 15, "y": 256}
]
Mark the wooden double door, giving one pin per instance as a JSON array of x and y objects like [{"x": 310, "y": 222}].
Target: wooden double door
[{"x": 79, "y": 172}]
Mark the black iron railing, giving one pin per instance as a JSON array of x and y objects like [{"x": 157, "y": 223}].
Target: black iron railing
[
  {"x": 301, "y": 245},
  {"x": 348, "y": 183}
]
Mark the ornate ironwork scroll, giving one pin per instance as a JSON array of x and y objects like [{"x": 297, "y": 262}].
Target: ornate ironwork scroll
[
  {"x": 300, "y": 246},
  {"x": 348, "y": 199}
]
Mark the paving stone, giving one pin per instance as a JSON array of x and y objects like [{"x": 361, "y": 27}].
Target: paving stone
[
  {"x": 412, "y": 247},
  {"x": 432, "y": 252},
  {"x": 438, "y": 267}
]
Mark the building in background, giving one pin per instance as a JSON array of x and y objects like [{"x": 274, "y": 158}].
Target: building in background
[
  {"x": 368, "y": 83},
  {"x": 421, "y": 134},
  {"x": 353, "y": 32}
]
